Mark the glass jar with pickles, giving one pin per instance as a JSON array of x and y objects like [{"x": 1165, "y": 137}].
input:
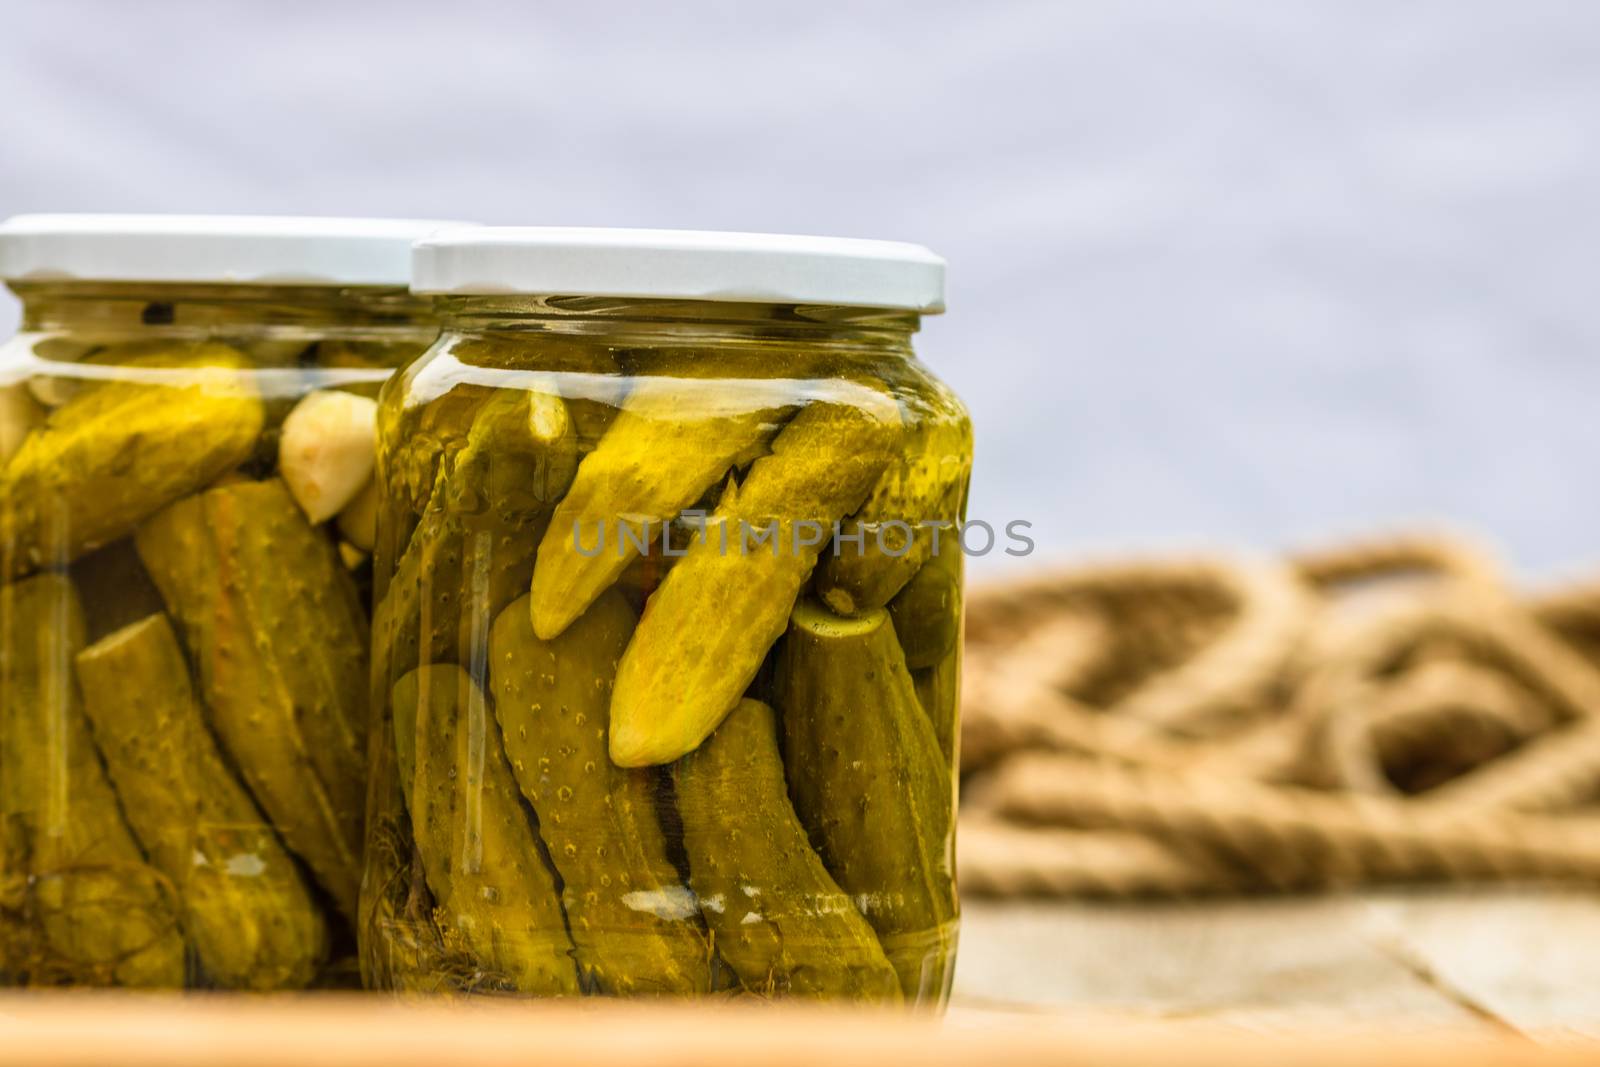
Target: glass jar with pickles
[
  {"x": 187, "y": 509},
  {"x": 667, "y": 624}
]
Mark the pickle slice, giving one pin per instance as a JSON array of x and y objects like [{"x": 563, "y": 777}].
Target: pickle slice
[
  {"x": 96, "y": 913},
  {"x": 780, "y": 921},
  {"x": 871, "y": 786},
  {"x": 708, "y": 626},
  {"x": 497, "y": 899},
  {"x": 633, "y": 920},
  {"x": 118, "y": 451},
  {"x": 277, "y": 633},
  {"x": 249, "y": 914}
]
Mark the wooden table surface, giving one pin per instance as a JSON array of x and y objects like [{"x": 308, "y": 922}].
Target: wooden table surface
[
  {"x": 1499, "y": 961},
  {"x": 1404, "y": 980}
]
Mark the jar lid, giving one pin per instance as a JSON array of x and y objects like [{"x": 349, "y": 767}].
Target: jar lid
[
  {"x": 210, "y": 249},
  {"x": 679, "y": 264}
]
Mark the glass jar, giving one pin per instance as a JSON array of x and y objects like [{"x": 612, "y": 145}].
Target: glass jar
[
  {"x": 667, "y": 624},
  {"x": 186, "y": 513}
]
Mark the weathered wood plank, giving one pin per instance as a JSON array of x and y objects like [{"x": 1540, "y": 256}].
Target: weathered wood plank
[{"x": 1483, "y": 961}]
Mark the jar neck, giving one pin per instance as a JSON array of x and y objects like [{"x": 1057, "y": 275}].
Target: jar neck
[
  {"x": 639, "y": 321},
  {"x": 204, "y": 310}
]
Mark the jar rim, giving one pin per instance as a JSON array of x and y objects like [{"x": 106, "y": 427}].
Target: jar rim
[
  {"x": 758, "y": 268},
  {"x": 277, "y": 250}
]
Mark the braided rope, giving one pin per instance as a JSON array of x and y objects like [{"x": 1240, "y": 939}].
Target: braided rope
[
  {"x": 1379, "y": 711},
  {"x": 1290, "y": 837}
]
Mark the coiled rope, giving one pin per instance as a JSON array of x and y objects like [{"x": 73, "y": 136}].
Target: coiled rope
[{"x": 1384, "y": 711}]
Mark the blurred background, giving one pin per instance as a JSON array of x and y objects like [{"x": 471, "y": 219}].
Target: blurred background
[
  {"x": 1230, "y": 273},
  {"x": 1224, "y": 274}
]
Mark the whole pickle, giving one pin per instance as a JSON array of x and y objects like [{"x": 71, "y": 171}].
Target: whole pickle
[
  {"x": 927, "y": 617},
  {"x": 927, "y": 612},
  {"x": 886, "y": 541},
  {"x": 456, "y": 575},
  {"x": 871, "y": 786},
  {"x": 939, "y": 692},
  {"x": 98, "y": 914},
  {"x": 633, "y": 920},
  {"x": 584, "y": 368},
  {"x": 20, "y": 415},
  {"x": 414, "y": 441},
  {"x": 275, "y": 629},
  {"x": 708, "y": 626},
  {"x": 444, "y": 393},
  {"x": 114, "y": 924},
  {"x": 471, "y": 552},
  {"x": 119, "y": 450},
  {"x": 519, "y": 457},
  {"x": 496, "y": 897},
  {"x": 782, "y": 924},
  {"x": 249, "y": 914},
  {"x": 680, "y": 430}
]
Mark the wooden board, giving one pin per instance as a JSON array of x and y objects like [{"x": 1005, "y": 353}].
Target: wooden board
[
  {"x": 1498, "y": 961},
  {"x": 350, "y": 1031},
  {"x": 1405, "y": 980}
]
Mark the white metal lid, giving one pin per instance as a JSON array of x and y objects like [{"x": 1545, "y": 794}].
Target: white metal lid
[
  {"x": 679, "y": 264},
  {"x": 215, "y": 249}
]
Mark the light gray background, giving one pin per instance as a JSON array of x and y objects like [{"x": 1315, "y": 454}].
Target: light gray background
[{"x": 1221, "y": 272}]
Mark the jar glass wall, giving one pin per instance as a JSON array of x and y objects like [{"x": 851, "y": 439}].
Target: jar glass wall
[
  {"x": 666, "y": 645},
  {"x": 183, "y": 627}
]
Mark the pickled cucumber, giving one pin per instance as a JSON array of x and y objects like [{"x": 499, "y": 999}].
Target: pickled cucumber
[
  {"x": 444, "y": 398},
  {"x": 779, "y": 920},
  {"x": 249, "y": 915},
  {"x": 496, "y": 898},
  {"x": 471, "y": 552},
  {"x": 118, "y": 451},
  {"x": 676, "y": 436},
  {"x": 927, "y": 612},
  {"x": 939, "y": 692},
  {"x": 20, "y": 415},
  {"x": 707, "y": 627},
  {"x": 110, "y": 923},
  {"x": 456, "y": 575},
  {"x": 635, "y": 923},
  {"x": 96, "y": 912},
  {"x": 274, "y": 627},
  {"x": 926, "y": 484},
  {"x": 413, "y": 442},
  {"x": 927, "y": 621},
  {"x": 585, "y": 367},
  {"x": 519, "y": 457},
  {"x": 870, "y": 785}
]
